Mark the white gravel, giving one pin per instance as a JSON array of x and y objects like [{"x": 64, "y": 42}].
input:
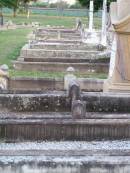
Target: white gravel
[
  {"x": 101, "y": 145},
  {"x": 80, "y": 160}
]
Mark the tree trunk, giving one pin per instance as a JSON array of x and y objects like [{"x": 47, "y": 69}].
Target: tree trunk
[
  {"x": 14, "y": 12},
  {"x": 1, "y": 17},
  {"x": 27, "y": 10},
  {"x": 26, "y": 6},
  {"x": 1, "y": 13},
  {"x": 28, "y": 14}
]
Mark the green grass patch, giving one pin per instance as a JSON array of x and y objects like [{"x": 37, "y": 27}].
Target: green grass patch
[
  {"x": 14, "y": 73},
  {"x": 11, "y": 42},
  {"x": 43, "y": 20},
  {"x": 35, "y": 74},
  {"x": 51, "y": 20}
]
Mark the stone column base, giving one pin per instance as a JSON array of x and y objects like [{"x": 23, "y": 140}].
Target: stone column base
[{"x": 116, "y": 87}]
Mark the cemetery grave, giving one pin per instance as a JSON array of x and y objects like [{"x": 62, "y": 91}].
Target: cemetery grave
[
  {"x": 57, "y": 54},
  {"x": 74, "y": 121}
]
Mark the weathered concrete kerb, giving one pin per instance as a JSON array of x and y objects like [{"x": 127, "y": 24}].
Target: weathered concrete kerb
[
  {"x": 60, "y": 102},
  {"x": 58, "y": 129},
  {"x": 48, "y": 118},
  {"x": 48, "y": 84},
  {"x": 81, "y": 68}
]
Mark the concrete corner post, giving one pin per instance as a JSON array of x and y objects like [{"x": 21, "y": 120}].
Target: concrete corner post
[{"x": 120, "y": 77}]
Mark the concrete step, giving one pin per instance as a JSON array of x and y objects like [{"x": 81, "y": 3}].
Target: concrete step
[
  {"x": 63, "y": 46},
  {"x": 66, "y": 60},
  {"x": 56, "y": 36},
  {"x": 81, "y": 68},
  {"x": 58, "y": 101},
  {"x": 58, "y": 129},
  {"x": 62, "y": 38},
  {"x": 55, "y": 30},
  {"x": 68, "y": 40},
  {"x": 62, "y": 34},
  {"x": 23, "y": 116},
  {"x": 26, "y": 84},
  {"x": 60, "y": 41},
  {"x": 60, "y": 53}
]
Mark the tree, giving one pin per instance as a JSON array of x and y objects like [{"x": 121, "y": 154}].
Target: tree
[
  {"x": 97, "y": 3},
  {"x": 25, "y": 3},
  {"x": 1, "y": 14},
  {"x": 13, "y": 4}
]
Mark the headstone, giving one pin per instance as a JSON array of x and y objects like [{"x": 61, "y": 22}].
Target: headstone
[
  {"x": 91, "y": 35},
  {"x": 35, "y": 24},
  {"x": 10, "y": 23},
  {"x": 91, "y": 38},
  {"x": 120, "y": 76},
  {"x": 59, "y": 35},
  {"x": 78, "y": 109},
  {"x": 104, "y": 17},
  {"x": 91, "y": 10},
  {"x": 78, "y": 24},
  {"x": 29, "y": 44}
]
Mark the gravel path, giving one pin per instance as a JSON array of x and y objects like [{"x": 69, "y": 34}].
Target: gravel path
[{"x": 101, "y": 145}]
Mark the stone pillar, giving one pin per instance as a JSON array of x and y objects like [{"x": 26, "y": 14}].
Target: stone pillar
[
  {"x": 123, "y": 7},
  {"x": 113, "y": 56},
  {"x": 120, "y": 77},
  {"x": 104, "y": 17},
  {"x": 91, "y": 10}
]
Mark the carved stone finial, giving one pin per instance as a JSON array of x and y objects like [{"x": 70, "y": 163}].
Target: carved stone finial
[
  {"x": 69, "y": 77},
  {"x": 4, "y": 72}
]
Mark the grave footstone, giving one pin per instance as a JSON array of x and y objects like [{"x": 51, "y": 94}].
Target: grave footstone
[
  {"x": 74, "y": 90},
  {"x": 78, "y": 109}
]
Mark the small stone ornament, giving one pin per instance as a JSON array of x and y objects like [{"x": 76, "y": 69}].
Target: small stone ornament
[
  {"x": 4, "y": 77},
  {"x": 69, "y": 77}
]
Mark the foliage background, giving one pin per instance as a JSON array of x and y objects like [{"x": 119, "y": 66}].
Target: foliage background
[{"x": 97, "y": 3}]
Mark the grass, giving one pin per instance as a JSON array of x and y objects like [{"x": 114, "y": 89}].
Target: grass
[
  {"x": 43, "y": 20},
  {"x": 14, "y": 73},
  {"x": 51, "y": 20},
  {"x": 11, "y": 42}
]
